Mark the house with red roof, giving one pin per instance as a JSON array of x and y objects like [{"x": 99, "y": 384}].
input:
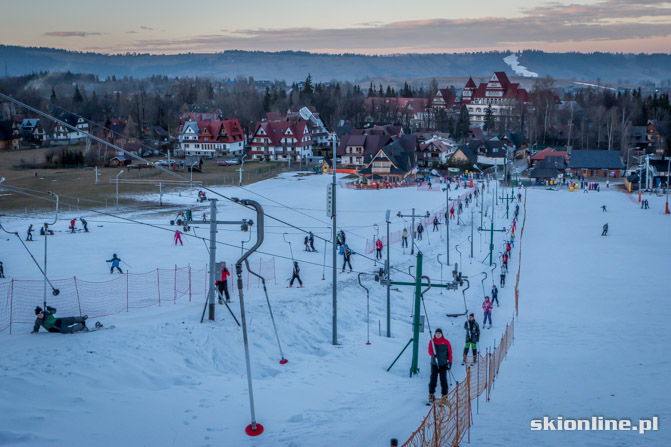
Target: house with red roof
[
  {"x": 412, "y": 112},
  {"x": 499, "y": 93},
  {"x": 281, "y": 141},
  {"x": 212, "y": 138}
]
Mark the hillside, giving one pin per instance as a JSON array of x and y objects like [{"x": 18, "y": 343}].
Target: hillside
[{"x": 293, "y": 66}]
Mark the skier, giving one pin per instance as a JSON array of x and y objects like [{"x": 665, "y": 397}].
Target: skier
[
  {"x": 487, "y": 307},
  {"x": 187, "y": 215},
  {"x": 495, "y": 295},
  {"x": 404, "y": 238},
  {"x": 340, "y": 238},
  {"x": 472, "y": 338},
  {"x": 2, "y": 270},
  {"x": 85, "y": 224},
  {"x": 519, "y": 197},
  {"x": 65, "y": 325},
  {"x": 508, "y": 247},
  {"x": 603, "y": 209},
  {"x": 504, "y": 269},
  {"x": 178, "y": 237},
  {"x": 605, "y": 230},
  {"x": 420, "y": 230},
  {"x": 72, "y": 225},
  {"x": 204, "y": 217},
  {"x": 115, "y": 263},
  {"x": 222, "y": 285},
  {"x": 512, "y": 239},
  {"x": 29, "y": 237},
  {"x": 295, "y": 275},
  {"x": 646, "y": 204},
  {"x": 440, "y": 351},
  {"x": 452, "y": 212},
  {"x": 306, "y": 242},
  {"x": 312, "y": 242},
  {"x": 435, "y": 223},
  {"x": 378, "y": 248},
  {"x": 346, "y": 255},
  {"x": 504, "y": 258}
]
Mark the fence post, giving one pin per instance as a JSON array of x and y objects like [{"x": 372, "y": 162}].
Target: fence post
[
  {"x": 189, "y": 282},
  {"x": 470, "y": 408},
  {"x": 175, "y": 287},
  {"x": 127, "y": 275},
  {"x": 79, "y": 303},
  {"x": 435, "y": 423},
  {"x": 11, "y": 307},
  {"x": 457, "y": 396},
  {"x": 158, "y": 282}
]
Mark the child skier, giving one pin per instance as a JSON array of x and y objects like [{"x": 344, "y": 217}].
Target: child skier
[
  {"x": 312, "y": 242},
  {"x": 495, "y": 295},
  {"x": 306, "y": 242},
  {"x": 504, "y": 269},
  {"x": 378, "y": 248},
  {"x": 66, "y": 325},
  {"x": 472, "y": 338},
  {"x": 435, "y": 223},
  {"x": 504, "y": 258},
  {"x": 115, "y": 264},
  {"x": 420, "y": 230},
  {"x": 222, "y": 285},
  {"x": 440, "y": 351},
  {"x": 29, "y": 237},
  {"x": 487, "y": 308},
  {"x": 404, "y": 238},
  {"x": 72, "y": 225},
  {"x": 178, "y": 237},
  {"x": 295, "y": 275}
]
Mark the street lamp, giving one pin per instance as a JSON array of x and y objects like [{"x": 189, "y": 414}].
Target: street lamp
[
  {"x": 117, "y": 189},
  {"x": 306, "y": 114}
]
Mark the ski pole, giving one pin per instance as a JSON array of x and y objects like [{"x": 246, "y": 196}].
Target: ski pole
[{"x": 129, "y": 266}]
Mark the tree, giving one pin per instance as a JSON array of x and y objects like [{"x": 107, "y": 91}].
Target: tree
[
  {"x": 307, "y": 88},
  {"x": 489, "y": 118},
  {"x": 267, "y": 100},
  {"x": 463, "y": 123},
  {"x": 53, "y": 99}
]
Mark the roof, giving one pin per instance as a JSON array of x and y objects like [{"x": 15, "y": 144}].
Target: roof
[
  {"x": 543, "y": 171},
  {"x": 489, "y": 148},
  {"x": 402, "y": 160},
  {"x": 371, "y": 143},
  {"x": 276, "y": 130},
  {"x": 554, "y": 161},
  {"x": 539, "y": 156},
  {"x": 464, "y": 149},
  {"x": 591, "y": 159}
]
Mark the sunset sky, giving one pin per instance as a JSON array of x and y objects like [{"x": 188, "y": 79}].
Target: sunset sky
[{"x": 361, "y": 26}]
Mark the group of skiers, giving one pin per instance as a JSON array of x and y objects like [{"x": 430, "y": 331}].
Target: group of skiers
[{"x": 72, "y": 228}]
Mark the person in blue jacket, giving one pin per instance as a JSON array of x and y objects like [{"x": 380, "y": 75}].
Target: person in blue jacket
[{"x": 115, "y": 263}]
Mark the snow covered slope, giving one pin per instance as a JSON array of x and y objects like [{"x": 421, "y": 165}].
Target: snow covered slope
[{"x": 161, "y": 378}]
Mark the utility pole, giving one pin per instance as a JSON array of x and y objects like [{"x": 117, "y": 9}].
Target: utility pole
[
  {"x": 388, "y": 274},
  {"x": 507, "y": 199},
  {"x": 447, "y": 221},
  {"x": 412, "y": 232}
]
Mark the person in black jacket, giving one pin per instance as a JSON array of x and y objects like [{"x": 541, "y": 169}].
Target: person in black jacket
[
  {"x": 346, "y": 256},
  {"x": 472, "y": 337},
  {"x": 440, "y": 351},
  {"x": 420, "y": 230},
  {"x": 295, "y": 275}
]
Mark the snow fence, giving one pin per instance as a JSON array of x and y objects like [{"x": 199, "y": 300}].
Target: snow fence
[{"x": 122, "y": 293}]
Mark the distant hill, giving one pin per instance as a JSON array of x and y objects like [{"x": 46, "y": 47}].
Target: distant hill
[{"x": 294, "y": 66}]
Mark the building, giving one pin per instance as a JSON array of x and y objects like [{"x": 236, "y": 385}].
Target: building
[
  {"x": 212, "y": 138},
  {"x": 434, "y": 151},
  {"x": 64, "y": 135},
  {"x": 281, "y": 141},
  {"x": 10, "y": 137},
  {"x": 391, "y": 163},
  {"x": 499, "y": 93},
  {"x": 31, "y": 130},
  {"x": 411, "y": 112},
  {"x": 592, "y": 163},
  {"x": 538, "y": 157}
]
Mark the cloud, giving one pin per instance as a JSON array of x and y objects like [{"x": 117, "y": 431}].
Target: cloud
[
  {"x": 70, "y": 34},
  {"x": 604, "y": 26}
]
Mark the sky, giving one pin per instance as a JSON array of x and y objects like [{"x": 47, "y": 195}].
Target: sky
[{"x": 348, "y": 26}]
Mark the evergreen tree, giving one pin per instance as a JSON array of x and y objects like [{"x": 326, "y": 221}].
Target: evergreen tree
[
  {"x": 371, "y": 90},
  {"x": 307, "y": 89},
  {"x": 53, "y": 99},
  {"x": 489, "y": 118},
  {"x": 406, "y": 92},
  {"x": 380, "y": 92},
  {"x": 463, "y": 123},
  {"x": 267, "y": 100}
]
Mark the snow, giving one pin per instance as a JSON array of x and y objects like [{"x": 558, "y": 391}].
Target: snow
[
  {"x": 520, "y": 70},
  {"x": 162, "y": 378}
]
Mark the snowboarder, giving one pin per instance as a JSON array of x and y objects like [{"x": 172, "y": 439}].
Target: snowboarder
[
  {"x": 312, "y": 242},
  {"x": 440, "y": 351},
  {"x": 65, "y": 325},
  {"x": 306, "y": 242},
  {"x": 504, "y": 269},
  {"x": 495, "y": 295},
  {"x": 378, "y": 248},
  {"x": 605, "y": 230},
  {"x": 72, "y": 225},
  {"x": 404, "y": 238},
  {"x": 222, "y": 285},
  {"x": 115, "y": 264},
  {"x": 2, "y": 270},
  {"x": 472, "y": 338},
  {"x": 435, "y": 223},
  {"x": 346, "y": 255},
  {"x": 295, "y": 275},
  {"x": 420, "y": 230},
  {"x": 178, "y": 237},
  {"x": 29, "y": 237},
  {"x": 85, "y": 224},
  {"x": 487, "y": 307}
]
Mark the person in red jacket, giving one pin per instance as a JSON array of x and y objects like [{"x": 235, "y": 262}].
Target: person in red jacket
[
  {"x": 223, "y": 284},
  {"x": 440, "y": 351},
  {"x": 487, "y": 307},
  {"x": 178, "y": 237},
  {"x": 505, "y": 259},
  {"x": 72, "y": 225},
  {"x": 378, "y": 248},
  {"x": 508, "y": 247}
]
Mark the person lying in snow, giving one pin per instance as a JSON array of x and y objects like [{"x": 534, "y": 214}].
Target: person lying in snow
[{"x": 65, "y": 325}]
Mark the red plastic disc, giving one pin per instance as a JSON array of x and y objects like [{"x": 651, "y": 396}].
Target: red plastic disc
[
  {"x": 283, "y": 361},
  {"x": 251, "y": 432}
]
